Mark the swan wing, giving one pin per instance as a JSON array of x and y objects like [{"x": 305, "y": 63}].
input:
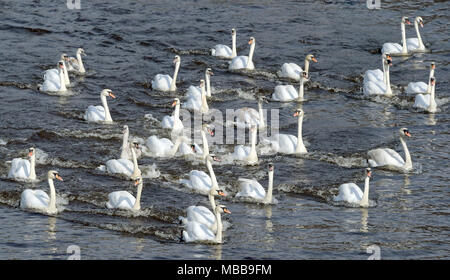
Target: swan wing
[
  {"x": 201, "y": 215},
  {"x": 349, "y": 192},
  {"x": 284, "y": 143},
  {"x": 120, "y": 200},
  {"x": 161, "y": 82},
  {"x": 200, "y": 181},
  {"x": 241, "y": 152},
  {"x": 34, "y": 199},
  {"x": 120, "y": 166},
  {"x": 412, "y": 43},
  {"x": 157, "y": 146},
  {"x": 95, "y": 113},
  {"x": 417, "y": 87},
  {"x": 391, "y": 48},
  {"x": 221, "y": 50},
  {"x": 195, "y": 231},
  {"x": 373, "y": 75},
  {"x": 385, "y": 156},
  {"x": 20, "y": 168},
  {"x": 291, "y": 70},
  {"x": 239, "y": 62},
  {"x": 251, "y": 188},
  {"x": 374, "y": 87},
  {"x": 422, "y": 101},
  {"x": 167, "y": 122},
  {"x": 284, "y": 93}
]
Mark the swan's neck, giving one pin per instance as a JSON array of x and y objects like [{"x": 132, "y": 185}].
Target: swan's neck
[
  {"x": 301, "y": 89},
  {"x": 205, "y": 145},
  {"x": 137, "y": 203},
  {"x": 219, "y": 227},
  {"x": 388, "y": 81},
  {"x": 125, "y": 140},
  {"x": 233, "y": 46},
  {"x": 212, "y": 201},
  {"x": 32, "y": 167},
  {"x": 300, "y": 146},
  {"x": 211, "y": 174},
  {"x": 66, "y": 75},
  {"x": 306, "y": 66},
  {"x": 365, "y": 198},
  {"x": 80, "y": 64},
  {"x": 253, "y": 156},
  {"x": 62, "y": 81},
  {"x": 52, "y": 203},
  {"x": 429, "y": 80},
  {"x": 432, "y": 107},
  {"x": 262, "y": 123},
  {"x": 176, "y": 113},
  {"x": 105, "y": 105},
  {"x": 268, "y": 198},
  {"x": 136, "y": 170},
  {"x": 408, "y": 162},
  {"x": 208, "y": 85},
  {"x": 205, "y": 107},
  {"x": 250, "y": 55},
  {"x": 173, "y": 85},
  {"x": 175, "y": 147},
  {"x": 416, "y": 26},
  {"x": 404, "y": 48}
]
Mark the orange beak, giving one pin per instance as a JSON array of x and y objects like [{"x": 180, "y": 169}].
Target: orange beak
[
  {"x": 211, "y": 132},
  {"x": 30, "y": 154},
  {"x": 369, "y": 174},
  {"x": 112, "y": 95},
  {"x": 59, "y": 178},
  {"x": 174, "y": 103},
  {"x": 421, "y": 24},
  {"x": 408, "y": 22},
  {"x": 433, "y": 66},
  {"x": 296, "y": 114},
  {"x": 227, "y": 211},
  {"x": 136, "y": 182},
  {"x": 221, "y": 193},
  {"x": 408, "y": 134},
  {"x": 250, "y": 42},
  {"x": 314, "y": 59}
]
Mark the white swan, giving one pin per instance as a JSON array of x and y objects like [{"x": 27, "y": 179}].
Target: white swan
[
  {"x": 247, "y": 154},
  {"x": 293, "y": 71},
  {"x": 53, "y": 74},
  {"x": 38, "y": 199},
  {"x": 289, "y": 144},
  {"x": 100, "y": 113},
  {"x": 246, "y": 116},
  {"x": 124, "y": 166},
  {"x": 426, "y": 101},
  {"x": 351, "y": 193},
  {"x": 76, "y": 64},
  {"x": 173, "y": 122},
  {"x": 377, "y": 82},
  {"x": 203, "y": 215},
  {"x": 244, "y": 62},
  {"x": 253, "y": 189},
  {"x": 165, "y": 82},
  {"x": 125, "y": 150},
  {"x": 416, "y": 44},
  {"x": 285, "y": 93},
  {"x": 197, "y": 232},
  {"x": 385, "y": 157},
  {"x": 125, "y": 200},
  {"x": 195, "y": 91},
  {"x": 163, "y": 147},
  {"x": 23, "y": 168},
  {"x": 395, "y": 48},
  {"x": 224, "y": 51},
  {"x": 200, "y": 181},
  {"x": 197, "y": 102},
  {"x": 421, "y": 87},
  {"x": 54, "y": 85}
]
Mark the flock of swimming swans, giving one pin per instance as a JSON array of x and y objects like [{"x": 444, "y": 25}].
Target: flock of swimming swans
[{"x": 201, "y": 223}]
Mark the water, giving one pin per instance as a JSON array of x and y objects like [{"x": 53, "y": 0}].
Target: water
[{"x": 128, "y": 42}]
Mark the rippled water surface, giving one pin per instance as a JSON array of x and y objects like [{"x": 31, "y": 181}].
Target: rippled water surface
[{"x": 128, "y": 42}]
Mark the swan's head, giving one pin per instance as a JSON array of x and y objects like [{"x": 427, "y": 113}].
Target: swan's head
[
  {"x": 252, "y": 41},
  {"x": 107, "y": 92},
  {"x": 433, "y": 81},
  {"x": 271, "y": 167},
  {"x": 81, "y": 51},
  {"x": 135, "y": 144},
  {"x": 31, "y": 152},
  {"x": 138, "y": 181},
  {"x": 175, "y": 102},
  {"x": 406, "y": 20},
  {"x": 52, "y": 174},
  {"x": 194, "y": 148},
  {"x": 368, "y": 172},
  {"x": 207, "y": 128},
  {"x": 388, "y": 58},
  {"x": 222, "y": 209},
  {"x": 177, "y": 59},
  {"x": 64, "y": 57},
  {"x": 216, "y": 191},
  {"x": 209, "y": 72},
  {"x": 125, "y": 129},
  {"x": 61, "y": 64},
  {"x": 298, "y": 113},
  {"x": 433, "y": 65},
  {"x": 310, "y": 57},
  {"x": 305, "y": 75},
  {"x": 233, "y": 31},
  {"x": 212, "y": 157},
  {"x": 404, "y": 131},
  {"x": 419, "y": 20}
]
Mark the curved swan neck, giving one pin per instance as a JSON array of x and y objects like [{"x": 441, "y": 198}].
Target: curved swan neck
[
  {"x": 208, "y": 85},
  {"x": 66, "y": 75},
  {"x": 52, "y": 203},
  {"x": 416, "y": 26},
  {"x": 300, "y": 146},
  {"x": 136, "y": 170},
  {"x": 388, "y": 81},
  {"x": 62, "y": 80},
  {"x": 137, "y": 203},
  {"x": 365, "y": 198},
  {"x": 268, "y": 198},
  {"x": 212, "y": 201},
  {"x": 219, "y": 227},
  {"x": 306, "y": 65},
  {"x": 429, "y": 80},
  {"x": 32, "y": 167},
  {"x": 80, "y": 64},
  {"x": 211, "y": 174},
  {"x": 105, "y": 105},
  {"x": 408, "y": 162},
  {"x": 262, "y": 123},
  {"x": 432, "y": 107},
  {"x": 176, "y": 113},
  {"x": 205, "y": 107},
  {"x": 233, "y": 45},
  {"x": 205, "y": 145},
  {"x": 175, "y": 147},
  {"x": 301, "y": 89},
  {"x": 250, "y": 54},
  {"x": 173, "y": 85},
  {"x": 404, "y": 48},
  {"x": 125, "y": 139}
]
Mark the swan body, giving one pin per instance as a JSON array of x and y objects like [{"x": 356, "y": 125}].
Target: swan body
[
  {"x": 351, "y": 193},
  {"x": 244, "y": 62},
  {"x": 224, "y": 51},
  {"x": 198, "y": 103},
  {"x": 421, "y": 87},
  {"x": 253, "y": 189},
  {"x": 416, "y": 44},
  {"x": 395, "y": 48},
  {"x": 385, "y": 157},
  {"x": 173, "y": 122},
  {"x": 22, "y": 168},
  {"x": 374, "y": 84},
  {"x": 163, "y": 147},
  {"x": 76, "y": 64},
  {"x": 247, "y": 155},
  {"x": 100, "y": 113},
  {"x": 247, "y": 117},
  {"x": 293, "y": 71},
  {"x": 38, "y": 199},
  {"x": 124, "y": 166},
  {"x": 285, "y": 93},
  {"x": 427, "y": 101},
  {"x": 53, "y": 74},
  {"x": 289, "y": 144},
  {"x": 200, "y": 181},
  {"x": 125, "y": 150},
  {"x": 124, "y": 200},
  {"x": 165, "y": 82},
  {"x": 52, "y": 84}
]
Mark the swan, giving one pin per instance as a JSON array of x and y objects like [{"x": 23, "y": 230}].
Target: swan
[
  {"x": 23, "y": 168},
  {"x": 198, "y": 103},
  {"x": 246, "y": 116},
  {"x": 427, "y": 101},
  {"x": 247, "y": 154},
  {"x": 416, "y": 44},
  {"x": 52, "y": 85},
  {"x": 395, "y": 48},
  {"x": 124, "y": 200},
  {"x": 163, "y": 147},
  {"x": 100, "y": 113},
  {"x": 173, "y": 122},
  {"x": 200, "y": 181},
  {"x": 377, "y": 82},
  {"x": 390, "y": 158},
  {"x": 195, "y": 231},
  {"x": 351, "y": 193},
  {"x": 289, "y": 144},
  {"x": 165, "y": 82},
  {"x": 286, "y": 93},
  {"x": 203, "y": 215},
  {"x": 125, "y": 149},
  {"x": 225, "y": 51},
  {"x": 421, "y": 87},
  {"x": 125, "y": 166},
  {"x": 76, "y": 64},
  {"x": 244, "y": 62},
  {"x": 253, "y": 189},
  {"x": 38, "y": 199},
  {"x": 195, "y": 91},
  {"x": 53, "y": 74},
  {"x": 293, "y": 71}
]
